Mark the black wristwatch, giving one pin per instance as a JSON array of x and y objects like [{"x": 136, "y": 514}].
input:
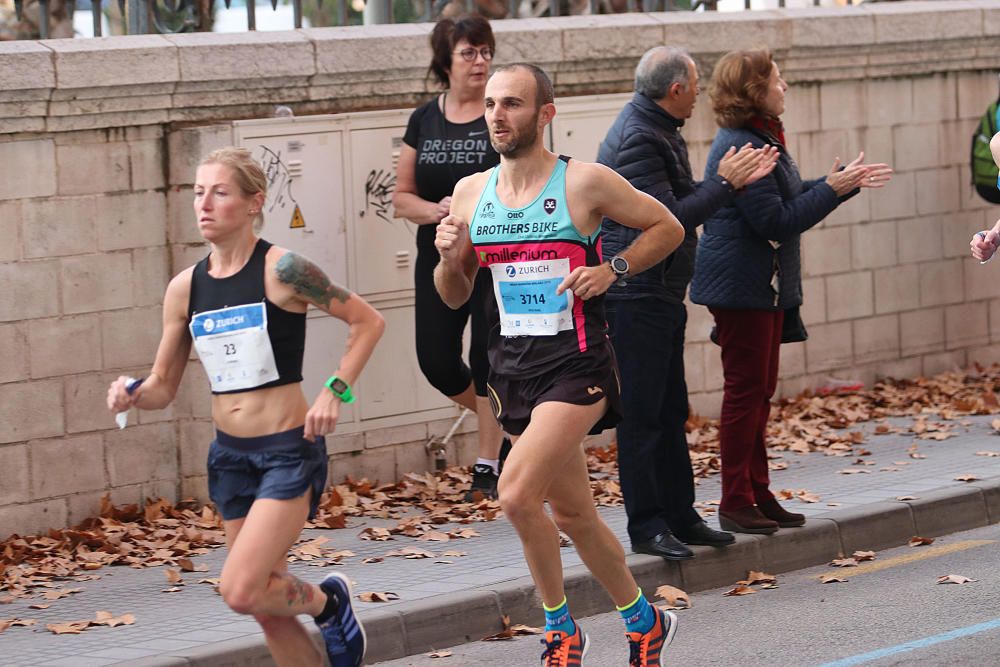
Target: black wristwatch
[{"x": 620, "y": 267}]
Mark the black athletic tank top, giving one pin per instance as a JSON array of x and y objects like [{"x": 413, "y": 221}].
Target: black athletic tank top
[{"x": 285, "y": 329}]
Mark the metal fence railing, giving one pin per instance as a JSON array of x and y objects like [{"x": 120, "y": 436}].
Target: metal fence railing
[{"x": 173, "y": 16}]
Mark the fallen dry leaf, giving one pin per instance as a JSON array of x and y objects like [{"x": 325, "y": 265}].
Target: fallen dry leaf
[
  {"x": 906, "y": 497},
  {"x": 68, "y": 628},
  {"x": 917, "y": 541},
  {"x": 112, "y": 621},
  {"x": 509, "y": 632},
  {"x": 506, "y": 633},
  {"x": 39, "y": 606},
  {"x": 173, "y": 589},
  {"x": 187, "y": 565},
  {"x": 831, "y": 579},
  {"x": 739, "y": 589},
  {"x": 844, "y": 562},
  {"x": 967, "y": 477},
  {"x": 372, "y": 559},
  {"x": 862, "y": 556},
  {"x": 59, "y": 594},
  {"x": 954, "y": 579},
  {"x": 768, "y": 587},
  {"x": 674, "y": 597},
  {"x": 439, "y": 654},
  {"x": 173, "y": 576},
  {"x": 376, "y": 596},
  {"x": 434, "y": 536},
  {"x": 754, "y": 577},
  {"x": 464, "y": 533},
  {"x": 12, "y": 622},
  {"x": 376, "y": 534}
]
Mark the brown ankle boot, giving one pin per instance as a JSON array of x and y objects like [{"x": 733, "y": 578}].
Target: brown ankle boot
[
  {"x": 772, "y": 510},
  {"x": 747, "y": 520}
]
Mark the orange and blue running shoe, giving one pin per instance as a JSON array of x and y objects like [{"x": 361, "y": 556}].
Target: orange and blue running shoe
[
  {"x": 563, "y": 650},
  {"x": 647, "y": 650}
]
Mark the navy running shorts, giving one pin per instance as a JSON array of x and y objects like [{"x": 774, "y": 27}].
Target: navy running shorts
[
  {"x": 281, "y": 466},
  {"x": 582, "y": 380}
]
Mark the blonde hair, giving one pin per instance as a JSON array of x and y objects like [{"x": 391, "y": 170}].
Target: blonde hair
[{"x": 248, "y": 175}]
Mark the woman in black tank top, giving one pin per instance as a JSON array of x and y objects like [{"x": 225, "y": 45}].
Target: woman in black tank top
[
  {"x": 243, "y": 308},
  {"x": 446, "y": 140}
]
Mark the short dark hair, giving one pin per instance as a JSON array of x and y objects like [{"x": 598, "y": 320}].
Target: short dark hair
[
  {"x": 447, "y": 33},
  {"x": 544, "y": 92}
]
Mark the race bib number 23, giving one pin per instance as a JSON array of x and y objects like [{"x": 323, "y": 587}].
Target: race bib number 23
[{"x": 234, "y": 347}]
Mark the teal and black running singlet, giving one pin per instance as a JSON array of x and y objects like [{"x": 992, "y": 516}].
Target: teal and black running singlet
[{"x": 529, "y": 251}]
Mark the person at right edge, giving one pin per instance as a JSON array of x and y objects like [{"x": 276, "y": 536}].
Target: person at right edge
[
  {"x": 646, "y": 313},
  {"x": 747, "y": 271}
]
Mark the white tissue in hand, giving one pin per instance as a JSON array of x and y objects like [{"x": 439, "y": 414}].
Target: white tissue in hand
[{"x": 121, "y": 418}]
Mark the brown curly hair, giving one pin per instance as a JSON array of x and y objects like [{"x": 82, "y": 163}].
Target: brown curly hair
[{"x": 739, "y": 86}]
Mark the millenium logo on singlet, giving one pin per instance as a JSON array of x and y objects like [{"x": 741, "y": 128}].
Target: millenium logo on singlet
[{"x": 508, "y": 255}]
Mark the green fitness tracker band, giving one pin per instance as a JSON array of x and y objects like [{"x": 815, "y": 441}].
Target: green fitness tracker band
[{"x": 340, "y": 389}]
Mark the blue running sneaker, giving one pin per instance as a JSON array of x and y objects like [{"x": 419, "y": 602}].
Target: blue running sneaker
[{"x": 343, "y": 635}]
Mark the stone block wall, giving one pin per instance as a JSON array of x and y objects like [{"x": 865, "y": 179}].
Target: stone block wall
[{"x": 99, "y": 138}]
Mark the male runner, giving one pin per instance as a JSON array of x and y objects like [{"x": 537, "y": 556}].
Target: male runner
[{"x": 535, "y": 221}]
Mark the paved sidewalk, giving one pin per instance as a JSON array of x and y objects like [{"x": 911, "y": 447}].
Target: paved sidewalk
[{"x": 446, "y": 603}]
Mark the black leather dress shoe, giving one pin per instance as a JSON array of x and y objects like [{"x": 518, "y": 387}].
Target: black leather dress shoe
[
  {"x": 700, "y": 533},
  {"x": 664, "y": 545}
]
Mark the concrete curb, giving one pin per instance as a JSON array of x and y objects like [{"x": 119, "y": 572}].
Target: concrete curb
[{"x": 455, "y": 618}]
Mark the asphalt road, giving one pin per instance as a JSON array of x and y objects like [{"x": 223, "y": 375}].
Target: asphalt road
[{"x": 891, "y": 611}]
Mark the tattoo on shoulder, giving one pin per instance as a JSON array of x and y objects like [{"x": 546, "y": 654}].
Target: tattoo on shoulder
[{"x": 308, "y": 280}]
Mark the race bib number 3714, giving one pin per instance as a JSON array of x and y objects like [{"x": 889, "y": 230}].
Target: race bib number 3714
[{"x": 527, "y": 300}]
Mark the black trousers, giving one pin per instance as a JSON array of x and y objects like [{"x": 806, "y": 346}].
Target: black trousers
[
  {"x": 439, "y": 330},
  {"x": 653, "y": 461}
]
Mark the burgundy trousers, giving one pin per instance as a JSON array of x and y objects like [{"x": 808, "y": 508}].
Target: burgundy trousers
[{"x": 750, "y": 340}]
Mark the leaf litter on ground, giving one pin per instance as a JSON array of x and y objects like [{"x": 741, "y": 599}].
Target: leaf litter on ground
[
  {"x": 675, "y": 598},
  {"x": 159, "y": 533},
  {"x": 510, "y": 631}
]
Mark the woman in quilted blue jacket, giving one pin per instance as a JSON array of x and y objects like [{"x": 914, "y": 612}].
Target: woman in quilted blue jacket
[{"x": 747, "y": 271}]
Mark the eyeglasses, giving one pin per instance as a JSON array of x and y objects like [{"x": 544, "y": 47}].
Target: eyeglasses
[{"x": 469, "y": 54}]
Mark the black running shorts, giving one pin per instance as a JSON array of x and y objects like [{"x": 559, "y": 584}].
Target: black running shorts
[{"x": 583, "y": 380}]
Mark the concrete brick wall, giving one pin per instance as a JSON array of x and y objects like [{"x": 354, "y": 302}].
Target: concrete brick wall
[{"x": 95, "y": 217}]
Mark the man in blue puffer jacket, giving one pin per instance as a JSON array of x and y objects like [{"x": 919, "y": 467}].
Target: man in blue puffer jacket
[{"x": 646, "y": 313}]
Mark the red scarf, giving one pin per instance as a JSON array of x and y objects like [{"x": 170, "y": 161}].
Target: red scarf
[{"x": 772, "y": 127}]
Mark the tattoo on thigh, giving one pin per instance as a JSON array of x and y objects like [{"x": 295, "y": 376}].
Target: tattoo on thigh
[
  {"x": 308, "y": 280},
  {"x": 297, "y": 591}
]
